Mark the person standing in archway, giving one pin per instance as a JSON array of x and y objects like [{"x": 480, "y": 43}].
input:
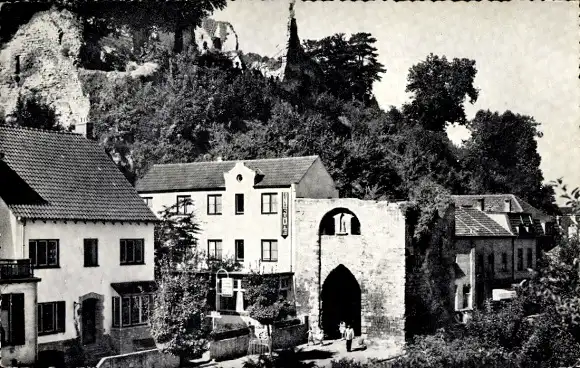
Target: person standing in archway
[{"x": 349, "y": 336}]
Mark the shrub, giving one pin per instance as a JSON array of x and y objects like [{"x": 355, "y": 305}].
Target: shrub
[
  {"x": 347, "y": 363},
  {"x": 287, "y": 323},
  {"x": 228, "y": 334}
]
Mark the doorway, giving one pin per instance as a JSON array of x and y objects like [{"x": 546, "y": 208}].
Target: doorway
[
  {"x": 341, "y": 302},
  {"x": 89, "y": 321}
]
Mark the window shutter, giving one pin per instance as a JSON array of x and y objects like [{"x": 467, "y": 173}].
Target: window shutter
[
  {"x": 60, "y": 316},
  {"x": 17, "y": 319},
  {"x": 116, "y": 311}
]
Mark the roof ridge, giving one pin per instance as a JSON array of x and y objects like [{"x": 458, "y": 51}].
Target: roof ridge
[
  {"x": 18, "y": 127},
  {"x": 230, "y": 161}
]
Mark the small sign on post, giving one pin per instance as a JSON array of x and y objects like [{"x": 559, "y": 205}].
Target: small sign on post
[
  {"x": 215, "y": 314},
  {"x": 227, "y": 287}
]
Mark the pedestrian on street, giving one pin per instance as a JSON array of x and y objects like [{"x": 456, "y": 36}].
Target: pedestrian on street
[
  {"x": 310, "y": 336},
  {"x": 349, "y": 336},
  {"x": 342, "y": 329}
]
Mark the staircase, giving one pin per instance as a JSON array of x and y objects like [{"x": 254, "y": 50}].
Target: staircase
[{"x": 95, "y": 352}]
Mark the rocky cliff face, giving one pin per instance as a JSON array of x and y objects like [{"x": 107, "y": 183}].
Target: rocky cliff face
[{"x": 41, "y": 60}]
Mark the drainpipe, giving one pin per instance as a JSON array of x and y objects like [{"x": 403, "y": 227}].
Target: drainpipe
[
  {"x": 319, "y": 276},
  {"x": 22, "y": 239}
]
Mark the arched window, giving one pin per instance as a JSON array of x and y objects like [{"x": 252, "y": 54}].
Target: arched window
[{"x": 339, "y": 221}]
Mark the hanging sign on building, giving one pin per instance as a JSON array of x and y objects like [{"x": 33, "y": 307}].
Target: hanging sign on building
[
  {"x": 227, "y": 287},
  {"x": 284, "y": 214}
]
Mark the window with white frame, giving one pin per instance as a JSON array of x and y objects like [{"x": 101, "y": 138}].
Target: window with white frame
[
  {"x": 269, "y": 250},
  {"x": 214, "y": 249},
  {"x": 214, "y": 204},
  {"x": 132, "y": 310},
  {"x": 269, "y": 203}
]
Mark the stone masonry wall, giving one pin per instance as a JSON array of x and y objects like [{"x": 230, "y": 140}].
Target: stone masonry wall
[
  {"x": 46, "y": 49},
  {"x": 376, "y": 258}
]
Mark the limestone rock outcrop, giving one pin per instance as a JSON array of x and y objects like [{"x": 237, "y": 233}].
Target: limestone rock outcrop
[{"x": 41, "y": 60}]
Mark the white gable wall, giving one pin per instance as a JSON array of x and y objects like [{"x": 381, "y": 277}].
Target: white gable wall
[{"x": 72, "y": 280}]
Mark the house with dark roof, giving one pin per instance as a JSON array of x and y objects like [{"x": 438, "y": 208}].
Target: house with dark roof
[
  {"x": 88, "y": 236},
  {"x": 498, "y": 239},
  {"x": 245, "y": 208}
]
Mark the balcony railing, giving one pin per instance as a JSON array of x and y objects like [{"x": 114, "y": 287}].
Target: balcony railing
[{"x": 12, "y": 269}]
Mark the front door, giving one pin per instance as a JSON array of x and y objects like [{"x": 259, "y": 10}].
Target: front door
[{"x": 88, "y": 321}]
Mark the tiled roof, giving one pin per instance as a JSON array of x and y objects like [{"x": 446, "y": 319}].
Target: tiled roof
[
  {"x": 68, "y": 176},
  {"x": 473, "y": 222},
  {"x": 277, "y": 172},
  {"x": 495, "y": 203},
  {"x": 531, "y": 226}
]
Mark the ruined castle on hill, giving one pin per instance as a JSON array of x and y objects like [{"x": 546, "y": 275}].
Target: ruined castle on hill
[{"x": 42, "y": 59}]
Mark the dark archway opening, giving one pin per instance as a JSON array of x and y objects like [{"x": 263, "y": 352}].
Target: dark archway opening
[{"x": 341, "y": 302}]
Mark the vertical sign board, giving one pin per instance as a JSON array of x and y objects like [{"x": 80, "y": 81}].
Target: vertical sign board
[
  {"x": 284, "y": 214},
  {"x": 227, "y": 287}
]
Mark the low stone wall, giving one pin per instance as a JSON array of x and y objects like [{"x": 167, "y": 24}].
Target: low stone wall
[
  {"x": 282, "y": 338},
  {"x": 142, "y": 359},
  {"x": 229, "y": 348},
  {"x": 123, "y": 339},
  {"x": 289, "y": 337}
]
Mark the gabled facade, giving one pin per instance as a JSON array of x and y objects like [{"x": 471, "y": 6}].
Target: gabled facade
[
  {"x": 88, "y": 236},
  {"x": 245, "y": 209},
  {"x": 498, "y": 242}
]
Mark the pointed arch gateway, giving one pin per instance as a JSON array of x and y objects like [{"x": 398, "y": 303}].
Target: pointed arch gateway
[{"x": 341, "y": 302}]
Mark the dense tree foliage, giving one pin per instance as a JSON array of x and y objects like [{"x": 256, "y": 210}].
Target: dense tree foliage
[
  {"x": 178, "y": 320},
  {"x": 502, "y": 156},
  {"x": 439, "y": 88},
  {"x": 349, "y": 66},
  {"x": 31, "y": 112},
  {"x": 265, "y": 304}
]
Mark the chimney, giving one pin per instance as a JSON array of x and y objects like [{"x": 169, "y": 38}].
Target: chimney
[
  {"x": 481, "y": 204},
  {"x": 507, "y": 205}
]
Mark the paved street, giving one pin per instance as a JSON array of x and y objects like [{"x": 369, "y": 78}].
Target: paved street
[{"x": 322, "y": 355}]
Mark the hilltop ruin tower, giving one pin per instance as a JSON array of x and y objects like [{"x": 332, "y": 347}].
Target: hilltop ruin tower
[{"x": 297, "y": 71}]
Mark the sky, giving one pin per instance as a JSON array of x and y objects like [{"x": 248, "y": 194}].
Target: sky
[{"x": 527, "y": 55}]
